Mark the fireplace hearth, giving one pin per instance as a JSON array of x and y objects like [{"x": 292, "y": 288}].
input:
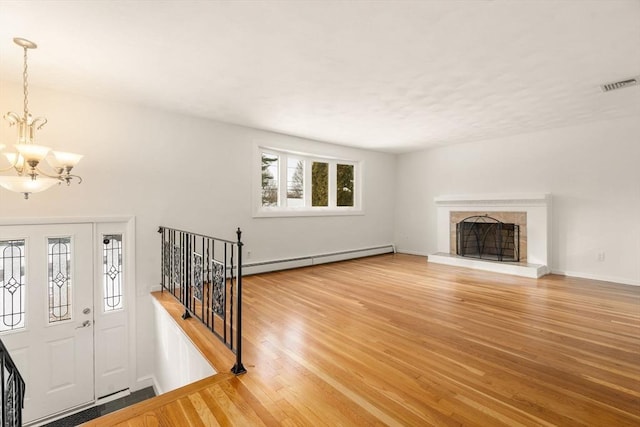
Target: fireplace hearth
[{"x": 485, "y": 237}]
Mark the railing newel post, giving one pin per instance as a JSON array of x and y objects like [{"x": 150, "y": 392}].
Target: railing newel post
[
  {"x": 239, "y": 368},
  {"x": 162, "y": 258}
]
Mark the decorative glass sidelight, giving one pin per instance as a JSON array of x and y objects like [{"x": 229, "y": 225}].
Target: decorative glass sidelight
[
  {"x": 59, "y": 278},
  {"x": 112, "y": 267},
  {"x": 12, "y": 285}
]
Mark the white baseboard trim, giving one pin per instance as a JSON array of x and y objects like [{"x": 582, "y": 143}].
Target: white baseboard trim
[
  {"x": 410, "y": 252},
  {"x": 146, "y": 381},
  {"x": 613, "y": 279},
  {"x": 156, "y": 387},
  {"x": 285, "y": 264},
  {"x": 604, "y": 278}
]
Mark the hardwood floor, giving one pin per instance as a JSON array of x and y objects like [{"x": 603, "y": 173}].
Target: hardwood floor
[{"x": 394, "y": 340}]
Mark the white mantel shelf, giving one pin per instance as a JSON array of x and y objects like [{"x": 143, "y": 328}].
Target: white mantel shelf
[{"x": 535, "y": 199}]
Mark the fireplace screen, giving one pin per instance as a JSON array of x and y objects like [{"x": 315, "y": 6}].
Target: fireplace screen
[{"x": 487, "y": 238}]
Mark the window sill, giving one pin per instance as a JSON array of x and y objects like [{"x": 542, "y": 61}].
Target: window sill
[{"x": 278, "y": 213}]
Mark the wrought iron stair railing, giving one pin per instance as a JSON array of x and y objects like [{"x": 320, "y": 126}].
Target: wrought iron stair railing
[
  {"x": 13, "y": 389},
  {"x": 205, "y": 275}
]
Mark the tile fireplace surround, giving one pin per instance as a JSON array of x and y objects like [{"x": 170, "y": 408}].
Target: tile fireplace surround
[{"x": 537, "y": 208}]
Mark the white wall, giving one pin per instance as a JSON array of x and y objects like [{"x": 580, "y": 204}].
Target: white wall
[
  {"x": 177, "y": 360},
  {"x": 591, "y": 170},
  {"x": 187, "y": 173}
]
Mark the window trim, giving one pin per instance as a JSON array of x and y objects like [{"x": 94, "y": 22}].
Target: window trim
[{"x": 260, "y": 211}]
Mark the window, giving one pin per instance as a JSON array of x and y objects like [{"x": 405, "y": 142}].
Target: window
[
  {"x": 59, "y": 268},
  {"x": 269, "y": 179},
  {"x": 320, "y": 184},
  {"x": 12, "y": 284},
  {"x": 295, "y": 184},
  {"x": 112, "y": 268},
  {"x": 344, "y": 184}
]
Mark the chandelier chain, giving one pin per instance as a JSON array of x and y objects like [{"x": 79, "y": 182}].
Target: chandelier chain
[{"x": 25, "y": 86}]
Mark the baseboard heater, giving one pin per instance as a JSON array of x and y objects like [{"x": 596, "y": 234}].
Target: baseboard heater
[{"x": 285, "y": 264}]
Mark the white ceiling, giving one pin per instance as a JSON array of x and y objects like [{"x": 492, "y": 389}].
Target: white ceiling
[{"x": 386, "y": 75}]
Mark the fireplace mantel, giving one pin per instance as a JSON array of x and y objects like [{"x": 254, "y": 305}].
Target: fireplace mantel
[
  {"x": 541, "y": 199},
  {"x": 538, "y": 210}
]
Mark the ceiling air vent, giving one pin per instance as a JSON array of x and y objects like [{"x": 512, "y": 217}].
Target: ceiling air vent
[{"x": 619, "y": 85}]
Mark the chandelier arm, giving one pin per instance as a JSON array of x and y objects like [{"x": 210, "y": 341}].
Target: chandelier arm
[
  {"x": 14, "y": 166},
  {"x": 39, "y": 119},
  {"x": 41, "y": 172},
  {"x": 69, "y": 177},
  {"x": 8, "y": 169},
  {"x": 62, "y": 176},
  {"x": 12, "y": 118}
]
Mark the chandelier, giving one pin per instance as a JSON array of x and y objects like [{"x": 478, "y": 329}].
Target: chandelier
[{"x": 27, "y": 159}]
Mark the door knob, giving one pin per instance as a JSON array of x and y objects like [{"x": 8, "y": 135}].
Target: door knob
[{"x": 85, "y": 324}]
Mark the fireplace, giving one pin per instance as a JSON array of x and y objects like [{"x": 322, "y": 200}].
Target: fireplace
[
  {"x": 530, "y": 254},
  {"x": 485, "y": 237}
]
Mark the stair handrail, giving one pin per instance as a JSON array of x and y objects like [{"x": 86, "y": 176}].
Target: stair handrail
[
  {"x": 204, "y": 274},
  {"x": 12, "y": 389}
]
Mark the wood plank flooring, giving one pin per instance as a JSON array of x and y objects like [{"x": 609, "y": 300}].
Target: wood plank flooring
[{"x": 394, "y": 340}]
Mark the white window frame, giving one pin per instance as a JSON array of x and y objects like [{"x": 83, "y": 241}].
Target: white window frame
[{"x": 282, "y": 210}]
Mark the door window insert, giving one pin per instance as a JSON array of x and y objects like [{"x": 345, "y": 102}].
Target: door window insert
[
  {"x": 59, "y": 278},
  {"x": 12, "y": 285}
]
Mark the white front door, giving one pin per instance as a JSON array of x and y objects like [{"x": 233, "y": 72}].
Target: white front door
[{"x": 46, "y": 313}]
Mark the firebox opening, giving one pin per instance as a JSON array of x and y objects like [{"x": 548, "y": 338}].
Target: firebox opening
[{"x": 484, "y": 237}]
